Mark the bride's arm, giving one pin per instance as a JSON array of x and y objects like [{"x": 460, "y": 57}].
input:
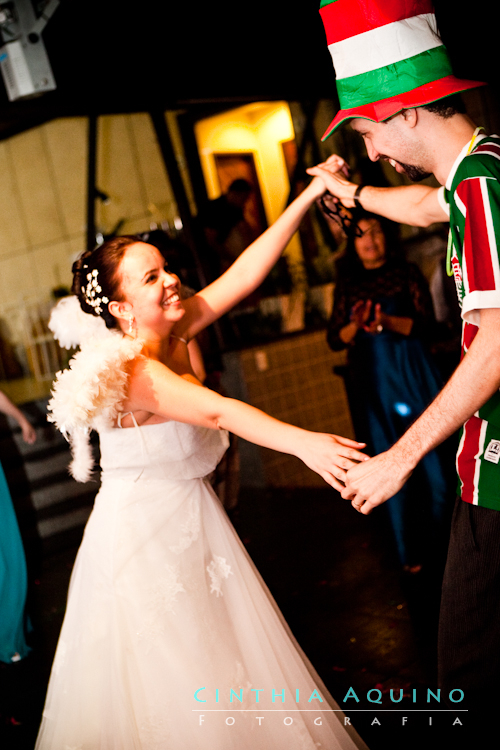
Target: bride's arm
[
  {"x": 155, "y": 389},
  {"x": 250, "y": 269}
]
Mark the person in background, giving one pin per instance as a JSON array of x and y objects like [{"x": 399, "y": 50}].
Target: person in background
[
  {"x": 13, "y": 576},
  {"x": 226, "y": 230},
  {"x": 383, "y": 314}
]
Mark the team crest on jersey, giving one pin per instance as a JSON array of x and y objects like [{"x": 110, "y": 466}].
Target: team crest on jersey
[
  {"x": 457, "y": 275},
  {"x": 492, "y": 452}
]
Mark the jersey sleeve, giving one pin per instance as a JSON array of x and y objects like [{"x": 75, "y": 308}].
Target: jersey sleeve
[
  {"x": 443, "y": 200},
  {"x": 478, "y": 197}
]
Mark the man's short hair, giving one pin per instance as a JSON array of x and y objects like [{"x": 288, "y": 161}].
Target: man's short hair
[{"x": 446, "y": 108}]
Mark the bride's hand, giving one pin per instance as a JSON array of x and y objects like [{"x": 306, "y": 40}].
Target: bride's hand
[
  {"x": 335, "y": 173},
  {"x": 330, "y": 456},
  {"x": 317, "y": 188},
  {"x": 335, "y": 164}
]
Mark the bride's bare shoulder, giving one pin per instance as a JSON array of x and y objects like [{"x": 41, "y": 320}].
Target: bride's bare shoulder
[{"x": 143, "y": 368}]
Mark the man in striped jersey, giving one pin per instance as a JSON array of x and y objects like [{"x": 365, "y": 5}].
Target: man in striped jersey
[{"x": 420, "y": 129}]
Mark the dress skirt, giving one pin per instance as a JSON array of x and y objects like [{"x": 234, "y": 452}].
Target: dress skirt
[{"x": 171, "y": 639}]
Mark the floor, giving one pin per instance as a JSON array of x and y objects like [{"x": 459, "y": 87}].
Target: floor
[{"x": 364, "y": 624}]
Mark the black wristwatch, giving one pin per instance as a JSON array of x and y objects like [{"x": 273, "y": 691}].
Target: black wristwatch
[{"x": 356, "y": 195}]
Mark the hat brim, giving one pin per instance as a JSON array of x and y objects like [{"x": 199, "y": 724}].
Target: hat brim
[{"x": 385, "y": 108}]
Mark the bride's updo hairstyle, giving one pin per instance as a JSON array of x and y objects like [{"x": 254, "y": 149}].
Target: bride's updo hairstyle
[{"x": 96, "y": 279}]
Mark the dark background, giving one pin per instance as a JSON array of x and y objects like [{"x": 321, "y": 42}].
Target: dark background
[{"x": 110, "y": 56}]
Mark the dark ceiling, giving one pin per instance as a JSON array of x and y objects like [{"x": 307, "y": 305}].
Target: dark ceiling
[{"x": 116, "y": 56}]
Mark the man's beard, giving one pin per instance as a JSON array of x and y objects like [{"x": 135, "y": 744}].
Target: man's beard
[{"x": 415, "y": 174}]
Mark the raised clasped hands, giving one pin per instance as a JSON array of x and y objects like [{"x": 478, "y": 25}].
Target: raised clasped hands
[
  {"x": 372, "y": 482},
  {"x": 334, "y": 173},
  {"x": 330, "y": 167}
]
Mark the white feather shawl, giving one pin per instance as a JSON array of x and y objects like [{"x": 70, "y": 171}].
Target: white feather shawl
[{"x": 90, "y": 392}]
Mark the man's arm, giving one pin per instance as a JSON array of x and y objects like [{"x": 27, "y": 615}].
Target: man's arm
[
  {"x": 474, "y": 381},
  {"x": 416, "y": 205}
]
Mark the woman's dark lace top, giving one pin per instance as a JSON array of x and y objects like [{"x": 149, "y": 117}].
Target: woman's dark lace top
[{"x": 398, "y": 286}]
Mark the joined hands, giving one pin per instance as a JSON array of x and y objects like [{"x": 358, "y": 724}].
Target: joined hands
[
  {"x": 335, "y": 172},
  {"x": 372, "y": 482}
]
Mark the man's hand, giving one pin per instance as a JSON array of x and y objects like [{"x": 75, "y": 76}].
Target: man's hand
[
  {"x": 334, "y": 173},
  {"x": 336, "y": 164},
  {"x": 373, "y": 482},
  {"x": 417, "y": 205},
  {"x": 474, "y": 381}
]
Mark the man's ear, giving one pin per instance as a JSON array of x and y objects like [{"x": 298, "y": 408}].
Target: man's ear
[
  {"x": 120, "y": 310},
  {"x": 410, "y": 116}
]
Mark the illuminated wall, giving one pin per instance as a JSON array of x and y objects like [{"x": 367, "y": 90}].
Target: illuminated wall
[
  {"x": 259, "y": 128},
  {"x": 43, "y": 184}
]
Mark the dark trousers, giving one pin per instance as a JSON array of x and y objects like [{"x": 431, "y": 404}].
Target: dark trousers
[{"x": 469, "y": 626}]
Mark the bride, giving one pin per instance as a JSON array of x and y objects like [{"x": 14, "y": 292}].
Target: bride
[{"x": 171, "y": 639}]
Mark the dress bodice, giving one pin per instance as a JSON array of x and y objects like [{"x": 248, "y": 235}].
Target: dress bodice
[{"x": 167, "y": 450}]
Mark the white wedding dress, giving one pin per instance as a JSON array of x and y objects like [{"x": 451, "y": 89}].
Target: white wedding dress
[{"x": 166, "y": 610}]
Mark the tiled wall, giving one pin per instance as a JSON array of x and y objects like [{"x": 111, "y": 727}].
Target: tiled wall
[
  {"x": 292, "y": 380},
  {"x": 43, "y": 190}
]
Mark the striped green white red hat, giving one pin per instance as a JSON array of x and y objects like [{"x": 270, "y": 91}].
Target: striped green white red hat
[{"x": 388, "y": 47}]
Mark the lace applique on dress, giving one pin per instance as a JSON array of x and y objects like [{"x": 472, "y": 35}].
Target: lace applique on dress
[
  {"x": 153, "y": 731},
  {"x": 217, "y": 570},
  {"x": 304, "y": 737},
  {"x": 190, "y": 530},
  {"x": 242, "y": 686},
  {"x": 161, "y": 600}
]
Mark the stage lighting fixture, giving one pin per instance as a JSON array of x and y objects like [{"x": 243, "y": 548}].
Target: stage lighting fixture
[{"x": 24, "y": 62}]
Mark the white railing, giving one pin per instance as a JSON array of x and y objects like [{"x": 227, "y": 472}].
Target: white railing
[{"x": 44, "y": 356}]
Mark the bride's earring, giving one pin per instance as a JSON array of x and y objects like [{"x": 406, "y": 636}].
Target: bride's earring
[{"x": 131, "y": 325}]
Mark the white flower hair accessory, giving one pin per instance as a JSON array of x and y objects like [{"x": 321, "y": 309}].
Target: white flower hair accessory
[{"x": 92, "y": 289}]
